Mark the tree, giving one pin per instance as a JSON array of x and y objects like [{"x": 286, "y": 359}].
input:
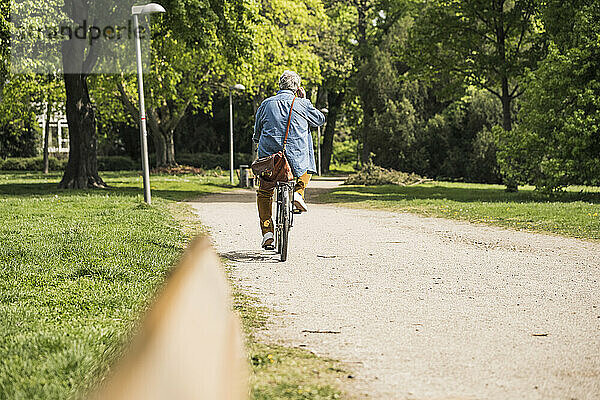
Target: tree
[
  {"x": 4, "y": 40},
  {"x": 557, "y": 142},
  {"x": 374, "y": 20},
  {"x": 18, "y": 126},
  {"x": 195, "y": 46},
  {"x": 335, "y": 51},
  {"x": 286, "y": 33},
  {"x": 79, "y": 59},
  {"x": 179, "y": 79},
  {"x": 487, "y": 43},
  {"x": 218, "y": 27}
]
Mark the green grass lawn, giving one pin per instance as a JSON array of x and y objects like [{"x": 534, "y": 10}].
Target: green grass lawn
[
  {"x": 79, "y": 267},
  {"x": 574, "y": 213}
]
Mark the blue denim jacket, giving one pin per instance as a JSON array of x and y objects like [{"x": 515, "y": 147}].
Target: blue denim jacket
[{"x": 269, "y": 130}]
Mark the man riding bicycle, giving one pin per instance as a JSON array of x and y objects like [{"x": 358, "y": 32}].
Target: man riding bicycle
[{"x": 269, "y": 132}]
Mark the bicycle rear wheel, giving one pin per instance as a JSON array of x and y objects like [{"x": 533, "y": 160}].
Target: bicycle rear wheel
[
  {"x": 286, "y": 209},
  {"x": 278, "y": 221}
]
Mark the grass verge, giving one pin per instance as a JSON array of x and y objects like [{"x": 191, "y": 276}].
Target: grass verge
[
  {"x": 79, "y": 267},
  {"x": 280, "y": 372},
  {"x": 574, "y": 213}
]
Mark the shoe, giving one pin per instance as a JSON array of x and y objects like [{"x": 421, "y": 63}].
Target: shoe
[
  {"x": 267, "y": 241},
  {"x": 299, "y": 203}
]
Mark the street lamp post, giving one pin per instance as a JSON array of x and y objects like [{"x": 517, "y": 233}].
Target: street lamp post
[
  {"x": 324, "y": 111},
  {"x": 238, "y": 86},
  {"x": 135, "y": 12}
]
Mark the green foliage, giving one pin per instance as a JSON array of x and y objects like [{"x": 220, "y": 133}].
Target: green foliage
[
  {"x": 483, "y": 164},
  {"x": 285, "y": 33},
  {"x": 204, "y": 160},
  {"x": 392, "y": 126},
  {"x": 371, "y": 174},
  {"x": 457, "y": 143},
  {"x": 399, "y": 79},
  {"x": 335, "y": 44},
  {"x": 32, "y": 164},
  {"x": 344, "y": 151},
  {"x": 23, "y": 97},
  {"x": 117, "y": 163},
  {"x": 487, "y": 43},
  {"x": 4, "y": 40},
  {"x": 19, "y": 138},
  {"x": 196, "y": 46},
  {"x": 105, "y": 163},
  {"x": 557, "y": 142},
  {"x": 412, "y": 130},
  {"x": 19, "y": 130},
  {"x": 212, "y": 26}
]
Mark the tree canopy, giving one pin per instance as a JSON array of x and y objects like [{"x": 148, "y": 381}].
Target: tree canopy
[{"x": 477, "y": 90}]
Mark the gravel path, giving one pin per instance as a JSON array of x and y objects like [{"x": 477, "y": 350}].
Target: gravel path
[{"x": 424, "y": 308}]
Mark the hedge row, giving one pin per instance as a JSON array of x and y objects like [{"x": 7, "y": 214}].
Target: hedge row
[
  {"x": 121, "y": 163},
  {"x": 108, "y": 163}
]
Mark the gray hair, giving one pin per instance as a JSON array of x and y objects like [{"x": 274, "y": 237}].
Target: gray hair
[{"x": 289, "y": 80}]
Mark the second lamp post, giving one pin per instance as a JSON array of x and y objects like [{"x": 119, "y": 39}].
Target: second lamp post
[{"x": 234, "y": 87}]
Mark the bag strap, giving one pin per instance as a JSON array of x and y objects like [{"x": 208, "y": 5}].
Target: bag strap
[{"x": 287, "y": 129}]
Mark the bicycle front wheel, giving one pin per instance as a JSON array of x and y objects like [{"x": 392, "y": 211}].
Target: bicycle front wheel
[{"x": 286, "y": 208}]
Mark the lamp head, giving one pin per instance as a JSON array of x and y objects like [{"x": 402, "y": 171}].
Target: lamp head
[
  {"x": 150, "y": 8},
  {"x": 238, "y": 86}
]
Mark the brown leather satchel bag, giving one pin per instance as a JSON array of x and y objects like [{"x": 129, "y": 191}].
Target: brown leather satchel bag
[{"x": 275, "y": 168}]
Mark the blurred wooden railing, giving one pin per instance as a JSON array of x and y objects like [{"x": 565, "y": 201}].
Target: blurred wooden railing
[{"x": 190, "y": 343}]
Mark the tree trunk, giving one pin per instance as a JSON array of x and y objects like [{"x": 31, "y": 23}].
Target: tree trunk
[
  {"x": 335, "y": 103},
  {"x": 505, "y": 98},
  {"x": 506, "y": 103},
  {"x": 362, "y": 8},
  {"x": 170, "y": 148},
  {"x": 256, "y": 101},
  {"x": 47, "y": 137},
  {"x": 82, "y": 168},
  {"x": 366, "y": 125},
  {"x": 511, "y": 185},
  {"x": 160, "y": 148}
]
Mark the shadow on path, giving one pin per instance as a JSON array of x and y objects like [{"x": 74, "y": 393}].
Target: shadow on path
[
  {"x": 251, "y": 256},
  {"x": 235, "y": 196}
]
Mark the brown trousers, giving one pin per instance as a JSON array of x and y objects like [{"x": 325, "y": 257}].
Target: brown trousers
[{"x": 264, "y": 201}]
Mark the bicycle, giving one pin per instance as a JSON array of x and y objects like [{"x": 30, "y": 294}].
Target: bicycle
[{"x": 284, "y": 217}]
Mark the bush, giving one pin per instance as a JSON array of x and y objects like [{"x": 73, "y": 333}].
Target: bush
[
  {"x": 108, "y": 163},
  {"x": 203, "y": 160},
  {"x": 372, "y": 174},
  {"x": 31, "y": 164},
  {"x": 117, "y": 163},
  {"x": 556, "y": 142},
  {"x": 18, "y": 140}
]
